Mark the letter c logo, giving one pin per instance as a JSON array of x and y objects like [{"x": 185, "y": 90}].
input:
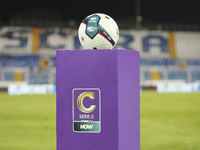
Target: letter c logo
[{"x": 80, "y": 105}]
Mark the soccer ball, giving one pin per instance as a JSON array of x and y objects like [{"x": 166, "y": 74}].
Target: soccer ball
[{"x": 98, "y": 31}]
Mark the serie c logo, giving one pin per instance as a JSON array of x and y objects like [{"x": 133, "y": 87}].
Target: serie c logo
[
  {"x": 86, "y": 110},
  {"x": 80, "y": 105}
]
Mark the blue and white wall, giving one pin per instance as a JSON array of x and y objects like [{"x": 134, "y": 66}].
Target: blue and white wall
[{"x": 155, "y": 44}]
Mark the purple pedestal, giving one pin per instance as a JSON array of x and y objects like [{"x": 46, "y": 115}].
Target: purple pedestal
[{"x": 98, "y": 100}]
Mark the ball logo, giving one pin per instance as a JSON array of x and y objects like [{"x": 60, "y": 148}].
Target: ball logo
[
  {"x": 92, "y": 26},
  {"x": 86, "y": 110},
  {"x": 80, "y": 105}
]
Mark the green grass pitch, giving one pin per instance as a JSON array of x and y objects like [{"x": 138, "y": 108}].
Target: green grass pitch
[
  {"x": 168, "y": 121},
  {"x": 27, "y": 122}
]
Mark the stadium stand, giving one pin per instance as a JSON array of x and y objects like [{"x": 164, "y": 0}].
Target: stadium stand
[
  {"x": 19, "y": 61},
  {"x": 27, "y": 55}
]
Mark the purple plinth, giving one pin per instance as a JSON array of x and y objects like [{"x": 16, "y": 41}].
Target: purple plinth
[{"x": 113, "y": 78}]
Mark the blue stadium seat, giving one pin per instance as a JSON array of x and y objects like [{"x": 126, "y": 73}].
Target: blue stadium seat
[
  {"x": 157, "y": 62},
  {"x": 39, "y": 78},
  {"x": 196, "y": 75},
  {"x": 53, "y": 59},
  {"x": 177, "y": 75},
  {"x": 20, "y": 61},
  {"x": 193, "y": 62},
  {"x": 147, "y": 75},
  {"x": 9, "y": 76}
]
